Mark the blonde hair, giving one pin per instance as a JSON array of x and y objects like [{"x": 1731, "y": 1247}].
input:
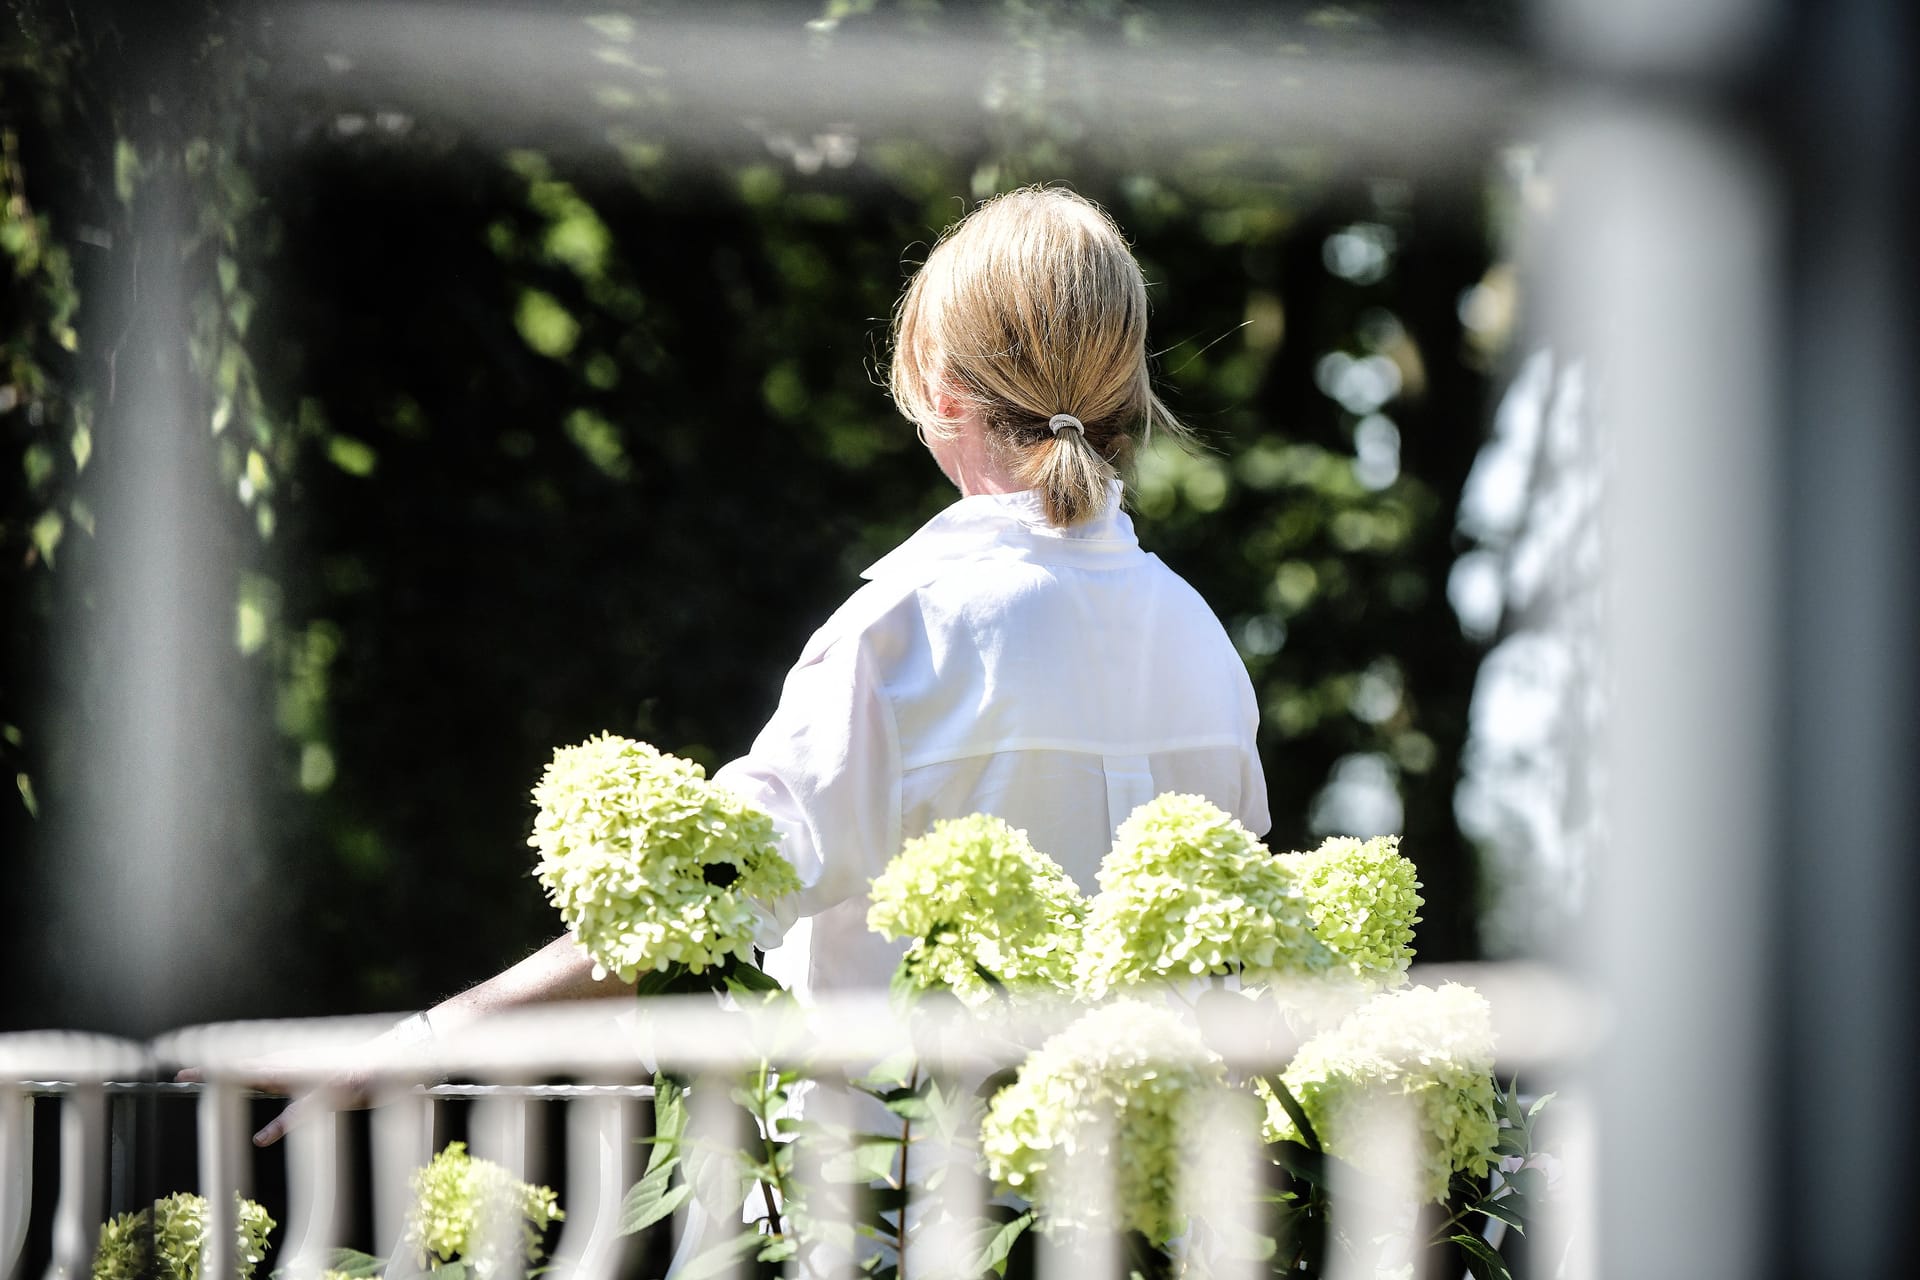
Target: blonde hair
[{"x": 1031, "y": 306}]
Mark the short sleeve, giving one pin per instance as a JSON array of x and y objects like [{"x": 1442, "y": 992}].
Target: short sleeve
[{"x": 827, "y": 769}]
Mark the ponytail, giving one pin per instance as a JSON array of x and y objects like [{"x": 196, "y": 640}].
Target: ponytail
[{"x": 1069, "y": 473}]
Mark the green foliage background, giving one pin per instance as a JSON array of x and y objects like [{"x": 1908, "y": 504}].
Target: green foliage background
[{"x": 525, "y": 436}]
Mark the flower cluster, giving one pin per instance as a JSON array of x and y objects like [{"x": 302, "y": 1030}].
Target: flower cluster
[
  {"x": 1361, "y": 899},
  {"x": 649, "y": 863},
  {"x": 974, "y": 894},
  {"x": 462, "y": 1207},
  {"x": 1112, "y": 1092},
  {"x": 177, "y": 1227},
  {"x": 1419, "y": 1047},
  {"x": 1187, "y": 890}
]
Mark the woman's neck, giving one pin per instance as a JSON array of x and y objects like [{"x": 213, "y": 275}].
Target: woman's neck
[{"x": 971, "y": 462}]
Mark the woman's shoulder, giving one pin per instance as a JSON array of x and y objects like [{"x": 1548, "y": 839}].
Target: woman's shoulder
[{"x": 873, "y": 615}]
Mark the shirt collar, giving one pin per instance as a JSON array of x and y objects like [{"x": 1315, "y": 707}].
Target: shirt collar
[{"x": 1009, "y": 525}]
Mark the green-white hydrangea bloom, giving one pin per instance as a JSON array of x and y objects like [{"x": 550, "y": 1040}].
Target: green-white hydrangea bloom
[
  {"x": 1187, "y": 890},
  {"x": 973, "y": 893},
  {"x": 178, "y": 1228},
  {"x": 649, "y": 863},
  {"x": 1116, "y": 1091},
  {"x": 1427, "y": 1048},
  {"x": 459, "y": 1204},
  {"x": 1362, "y": 900}
]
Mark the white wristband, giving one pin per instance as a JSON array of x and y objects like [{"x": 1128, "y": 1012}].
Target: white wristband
[{"x": 412, "y": 1029}]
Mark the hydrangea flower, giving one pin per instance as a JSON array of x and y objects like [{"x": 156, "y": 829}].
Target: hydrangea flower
[
  {"x": 178, "y": 1229},
  {"x": 649, "y": 863},
  {"x": 1430, "y": 1048},
  {"x": 1187, "y": 890},
  {"x": 1114, "y": 1090},
  {"x": 458, "y": 1203},
  {"x": 973, "y": 893},
  {"x": 1362, "y": 898}
]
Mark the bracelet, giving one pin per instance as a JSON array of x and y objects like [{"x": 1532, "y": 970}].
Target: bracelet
[{"x": 413, "y": 1029}]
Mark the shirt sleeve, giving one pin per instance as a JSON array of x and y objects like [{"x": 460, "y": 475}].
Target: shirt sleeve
[
  {"x": 1254, "y": 815},
  {"x": 827, "y": 769}
]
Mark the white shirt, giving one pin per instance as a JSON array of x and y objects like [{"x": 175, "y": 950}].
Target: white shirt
[{"x": 1057, "y": 678}]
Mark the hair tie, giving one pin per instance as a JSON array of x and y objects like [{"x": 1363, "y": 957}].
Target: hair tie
[{"x": 1060, "y": 420}]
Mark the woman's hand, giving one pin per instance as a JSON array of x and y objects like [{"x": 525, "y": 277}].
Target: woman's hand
[
  {"x": 316, "y": 1078},
  {"x": 343, "y": 1081}
]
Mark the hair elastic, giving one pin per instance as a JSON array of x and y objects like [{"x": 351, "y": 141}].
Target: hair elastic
[{"x": 1061, "y": 420}]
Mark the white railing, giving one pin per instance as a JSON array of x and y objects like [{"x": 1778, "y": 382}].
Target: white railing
[{"x": 593, "y": 1062}]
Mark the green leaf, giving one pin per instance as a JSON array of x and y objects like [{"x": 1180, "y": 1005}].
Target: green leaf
[
  {"x": 653, "y": 1197},
  {"x": 669, "y": 1115},
  {"x": 355, "y": 1263},
  {"x": 1540, "y": 1103},
  {"x": 912, "y": 1106},
  {"x": 660, "y": 982},
  {"x": 1302, "y": 1162},
  {"x": 1510, "y": 1106},
  {"x": 778, "y": 1249},
  {"x": 989, "y": 977},
  {"x": 47, "y": 531},
  {"x": 1528, "y": 1182},
  {"x": 1295, "y": 1112},
  {"x": 545, "y": 324},
  {"x": 746, "y": 978},
  {"x": 450, "y": 1271},
  {"x": 889, "y": 1074},
  {"x": 720, "y": 1257},
  {"x": 355, "y": 457},
  {"x": 994, "y": 1083},
  {"x": 1505, "y": 1210},
  {"x": 905, "y": 985},
  {"x": 126, "y": 169},
  {"x": 873, "y": 1160},
  {"x": 998, "y": 1244},
  {"x": 1483, "y": 1260}
]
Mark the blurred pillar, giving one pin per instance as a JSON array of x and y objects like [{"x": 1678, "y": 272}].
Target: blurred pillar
[
  {"x": 152, "y": 918},
  {"x": 1843, "y": 1117},
  {"x": 1666, "y": 275},
  {"x": 1735, "y": 257}
]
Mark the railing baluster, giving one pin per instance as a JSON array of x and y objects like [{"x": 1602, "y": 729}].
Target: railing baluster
[
  {"x": 502, "y": 1132},
  {"x": 1377, "y": 1205},
  {"x": 712, "y": 1214},
  {"x": 601, "y": 1165},
  {"x": 16, "y": 1174},
  {"x": 1219, "y": 1176},
  {"x": 317, "y": 1187},
  {"x": 402, "y": 1140},
  {"x": 1094, "y": 1253},
  {"x": 830, "y": 1113},
  {"x": 76, "y": 1221},
  {"x": 223, "y": 1144},
  {"x": 941, "y": 1253}
]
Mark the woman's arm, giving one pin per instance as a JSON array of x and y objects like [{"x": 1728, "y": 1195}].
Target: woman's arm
[{"x": 558, "y": 971}]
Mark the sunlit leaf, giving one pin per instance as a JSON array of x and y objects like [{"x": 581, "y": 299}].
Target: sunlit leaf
[
  {"x": 355, "y": 457},
  {"x": 544, "y": 324}
]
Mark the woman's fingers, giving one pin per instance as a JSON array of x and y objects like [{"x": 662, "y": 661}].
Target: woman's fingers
[{"x": 276, "y": 1128}]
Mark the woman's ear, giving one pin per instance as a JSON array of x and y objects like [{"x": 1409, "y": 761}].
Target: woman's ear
[
  {"x": 940, "y": 394},
  {"x": 946, "y": 406}
]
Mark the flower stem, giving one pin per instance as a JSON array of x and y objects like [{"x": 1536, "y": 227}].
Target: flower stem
[
  {"x": 771, "y": 1183},
  {"x": 900, "y": 1231}
]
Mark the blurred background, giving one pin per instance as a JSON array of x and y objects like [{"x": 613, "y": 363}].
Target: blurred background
[{"x": 536, "y": 359}]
